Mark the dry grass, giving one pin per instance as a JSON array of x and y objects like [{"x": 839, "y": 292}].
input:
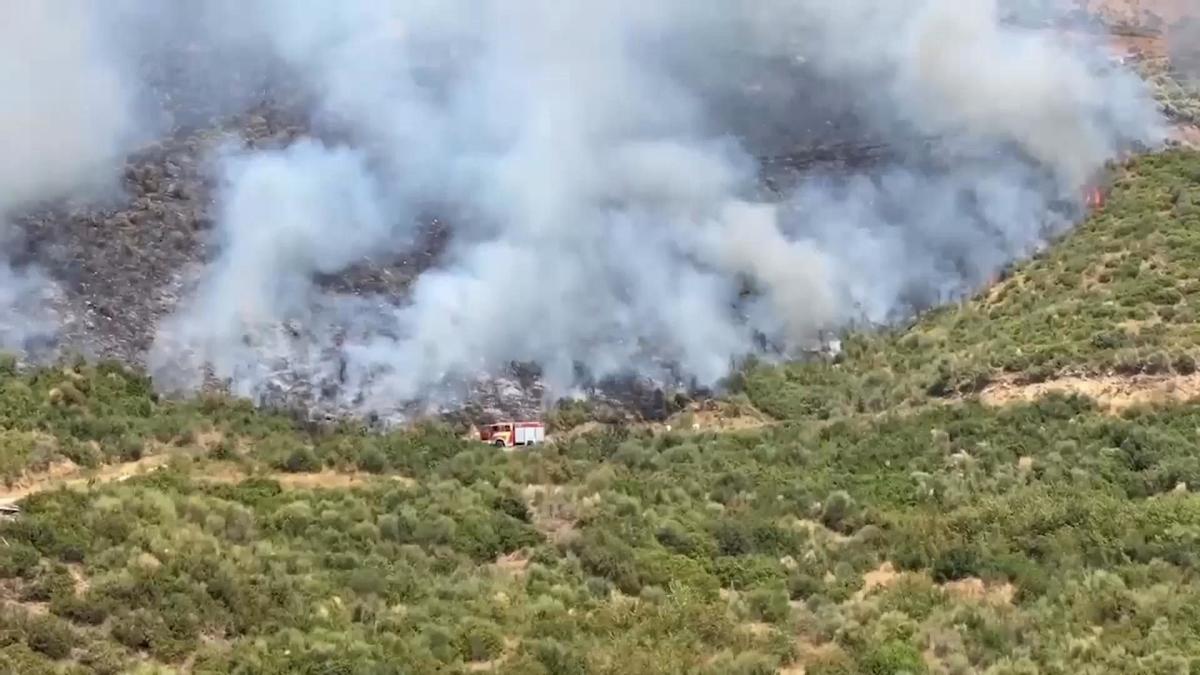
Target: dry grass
[
  {"x": 513, "y": 564},
  {"x": 977, "y": 590},
  {"x": 702, "y": 417},
  {"x": 328, "y": 479},
  {"x": 331, "y": 480},
  {"x": 1114, "y": 393},
  {"x": 971, "y": 589},
  {"x": 69, "y": 475},
  {"x": 554, "y": 510},
  {"x": 881, "y": 577}
]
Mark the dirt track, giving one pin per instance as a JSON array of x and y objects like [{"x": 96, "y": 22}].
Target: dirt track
[
  {"x": 1113, "y": 393},
  {"x": 68, "y": 474}
]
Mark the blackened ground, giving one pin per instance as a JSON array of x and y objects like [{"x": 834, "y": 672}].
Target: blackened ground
[{"x": 123, "y": 265}]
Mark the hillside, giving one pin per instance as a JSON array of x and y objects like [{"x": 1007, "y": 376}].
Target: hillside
[
  {"x": 906, "y": 510},
  {"x": 383, "y": 211},
  {"x": 1116, "y": 297},
  {"x": 356, "y": 214}
]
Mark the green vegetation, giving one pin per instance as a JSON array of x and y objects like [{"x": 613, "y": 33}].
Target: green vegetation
[
  {"x": 1118, "y": 294},
  {"x": 868, "y": 531},
  {"x": 1177, "y": 93}
]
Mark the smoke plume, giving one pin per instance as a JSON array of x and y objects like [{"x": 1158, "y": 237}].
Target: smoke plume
[
  {"x": 607, "y": 203},
  {"x": 599, "y": 165},
  {"x": 67, "y": 119}
]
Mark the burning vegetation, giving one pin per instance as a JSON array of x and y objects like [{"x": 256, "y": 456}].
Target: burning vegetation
[
  {"x": 316, "y": 212},
  {"x": 382, "y": 208}
]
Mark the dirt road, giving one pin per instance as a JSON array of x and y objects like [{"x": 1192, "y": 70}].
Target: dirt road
[{"x": 68, "y": 474}]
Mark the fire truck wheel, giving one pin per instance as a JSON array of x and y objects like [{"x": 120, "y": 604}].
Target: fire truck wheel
[{"x": 499, "y": 444}]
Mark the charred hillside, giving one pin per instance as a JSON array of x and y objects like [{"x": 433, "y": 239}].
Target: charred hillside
[
  {"x": 122, "y": 263},
  {"x": 380, "y": 212}
]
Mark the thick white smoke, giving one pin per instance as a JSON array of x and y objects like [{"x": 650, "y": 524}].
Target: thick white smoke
[
  {"x": 596, "y": 163},
  {"x": 286, "y": 201},
  {"x": 65, "y": 124},
  {"x": 607, "y": 215}
]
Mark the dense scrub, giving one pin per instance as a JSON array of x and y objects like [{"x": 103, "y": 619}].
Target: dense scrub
[
  {"x": 1039, "y": 538},
  {"x": 856, "y": 536},
  {"x": 1177, "y": 90}
]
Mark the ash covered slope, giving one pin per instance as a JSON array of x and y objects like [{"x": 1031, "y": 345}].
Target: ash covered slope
[{"x": 595, "y": 163}]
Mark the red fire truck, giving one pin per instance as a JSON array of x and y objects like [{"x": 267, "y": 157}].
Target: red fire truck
[{"x": 512, "y": 434}]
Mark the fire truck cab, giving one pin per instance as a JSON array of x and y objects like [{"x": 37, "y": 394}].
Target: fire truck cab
[{"x": 512, "y": 434}]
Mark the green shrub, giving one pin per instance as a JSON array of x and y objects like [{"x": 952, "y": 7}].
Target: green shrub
[
  {"x": 225, "y": 450},
  {"x": 837, "y": 511},
  {"x": 106, "y": 658},
  {"x": 49, "y": 582},
  {"x": 732, "y": 538},
  {"x": 830, "y": 660},
  {"x": 913, "y": 596},
  {"x": 652, "y": 595},
  {"x": 893, "y": 658},
  {"x": 955, "y": 563},
  {"x": 769, "y": 605},
  {"x": 801, "y": 585},
  {"x": 138, "y": 629},
  {"x": 512, "y": 506},
  {"x": 559, "y": 659},
  {"x": 744, "y": 663},
  {"x": 749, "y": 572},
  {"x": 301, "y": 460},
  {"x": 86, "y": 610},
  {"x": 50, "y": 636},
  {"x": 17, "y": 560},
  {"x": 373, "y": 461},
  {"x": 480, "y": 640},
  {"x": 598, "y": 587}
]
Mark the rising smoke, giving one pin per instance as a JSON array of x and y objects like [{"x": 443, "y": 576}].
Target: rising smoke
[
  {"x": 67, "y": 119},
  {"x": 598, "y": 162}
]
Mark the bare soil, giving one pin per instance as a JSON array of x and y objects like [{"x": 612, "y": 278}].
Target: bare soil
[
  {"x": 715, "y": 416},
  {"x": 1187, "y": 135},
  {"x": 67, "y": 474},
  {"x": 1113, "y": 393},
  {"x": 329, "y": 479},
  {"x": 701, "y": 417},
  {"x": 970, "y": 588},
  {"x": 513, "y": 564},
  {"x": 70, "y": 475},
  {"x": 881, "y": 577},
  {"x": 1141, "y": 13},
  {"x": 978, "y": 590}
]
